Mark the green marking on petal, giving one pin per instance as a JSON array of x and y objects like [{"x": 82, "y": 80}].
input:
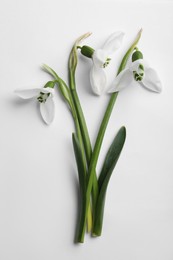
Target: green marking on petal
[
  {"x": 138, "y": 75},
  {"x": 43, "y": 97},
  {"x": 141, "y": 67},
  {"x": 106, "y": 62}
]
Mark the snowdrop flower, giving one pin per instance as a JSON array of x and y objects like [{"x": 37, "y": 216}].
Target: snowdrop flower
[
  {"x": 45, "y": 98},
  {"x": 101, "y": 59},
  {"x": 140, "y": 72}
]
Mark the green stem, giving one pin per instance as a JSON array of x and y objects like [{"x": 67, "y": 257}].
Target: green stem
[
  {"x": 89, "y": 213},
  {"x": 81, "y": 118},
  {"x": 80, "y": 228},
  {"x": 95, "y": 158},
  {"x": 97, "y": 148},
  {"x": 83, "y": 126},
  {"x": 86, "y": 142}
]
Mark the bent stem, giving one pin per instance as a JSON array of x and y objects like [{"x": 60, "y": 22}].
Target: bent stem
[{"x": 70, "y": 102}]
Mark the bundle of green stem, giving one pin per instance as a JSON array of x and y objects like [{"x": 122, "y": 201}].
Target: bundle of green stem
[{"x": 92, "y": 188}]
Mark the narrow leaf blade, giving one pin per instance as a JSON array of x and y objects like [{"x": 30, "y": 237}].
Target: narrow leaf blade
[
  {"x": 112, "y": 156},
  {"x": 80, "y": 232},
  {"x": 107, "y": 169}
]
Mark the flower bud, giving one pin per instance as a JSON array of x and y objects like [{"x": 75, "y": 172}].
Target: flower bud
[{"x": 87, "y": 51}]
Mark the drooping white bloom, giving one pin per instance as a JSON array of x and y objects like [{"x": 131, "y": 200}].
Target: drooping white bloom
[
  {"x": 45, "y": 98},
  {"x": 101, "y": 58},
  {"x": 140, "y": 72}
]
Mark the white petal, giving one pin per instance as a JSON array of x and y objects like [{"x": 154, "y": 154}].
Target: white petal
[
  {"x": 99, "y": 58},
  {"x": 151, "y": 80},
  {"x": 27, "y": 93},
  {"x": 123, "y": 80},
  {"x": 47, "y": 110},
  {"x": 98, "y": 80},
  {"x": 47, "y": 90},
  {"x": 113, "y": 42}
]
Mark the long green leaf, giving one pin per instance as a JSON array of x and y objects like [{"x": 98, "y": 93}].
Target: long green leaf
[
  {"x": 106, "y": 172},
  {"x": 82, "y": 183}
]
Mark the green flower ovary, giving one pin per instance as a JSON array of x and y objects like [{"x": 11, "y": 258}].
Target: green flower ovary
[
  {"x": 138, "y": 75},
  {"x": 43, "y": 97}
]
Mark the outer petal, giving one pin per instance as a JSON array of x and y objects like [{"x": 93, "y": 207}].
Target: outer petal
[
  {"x": 27, "y": 93},
  {"x": 98, "y": 80},
  {"x": 113, "y": 42},
  {"x": 123, "y": 80},
  {"x": 151, "y": 80},
  {"x": 47, "y": 110}
]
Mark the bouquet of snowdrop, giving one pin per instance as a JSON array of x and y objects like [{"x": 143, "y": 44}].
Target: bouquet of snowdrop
[{"x": 93, "y": 186}]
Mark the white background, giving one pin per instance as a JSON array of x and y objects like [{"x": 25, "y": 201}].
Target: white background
[{"x": 38, "y": 179}]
